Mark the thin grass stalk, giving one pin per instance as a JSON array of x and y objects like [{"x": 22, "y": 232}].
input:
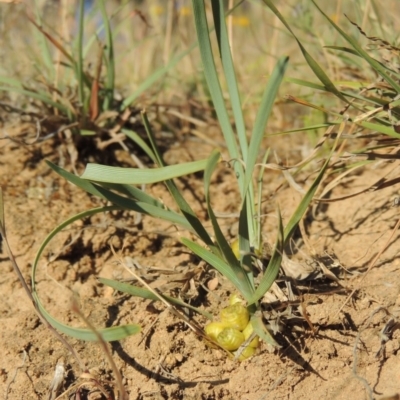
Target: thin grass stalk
[
  {"x": 257, "y": 136},
  {"x": 79, "y": 65},
  {"x": 46, "y": 55},
  {"x": 224, "y": 46},
  {"x": 214, "y": 86},
  {"x": 109, "y": 58},
  {"x": 170, "y": 11},
  {"x": 65, "y": 34},
  {"x": 182, "y": 203},
  {"x": 258, "y": 244}
]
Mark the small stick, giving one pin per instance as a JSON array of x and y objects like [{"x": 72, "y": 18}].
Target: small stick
[
  {"x": 103, "y": 344},
  {"x": 193, "y": 326}
]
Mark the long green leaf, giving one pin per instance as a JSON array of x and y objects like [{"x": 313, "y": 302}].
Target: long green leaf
[
  {"x": 183, "y": 205},
  {"x": 109, "y": 58},
  {"x": 79, "y": 62},
  {"x": 108, "y": 334},
  {"x": 229, "y": 71},
  {"x": 214, "y": 86},
  {"x": 316, "y": 68},
  {"x": 257, "y": 136},
  {"x": 237, "y": 277},
  {"x": 263, "y": 114},
  {"x": 223, "y": 244},
  {"x": 45, "y": 54},
  {"x": 273, "y": 267},
  {"x": 35, "y": 95},
  {"x": 147, "y": 294},
  {"x": 151, "y": 208},
  {"x": 246, "y": 225},
  {"x": 137, "y": 176},
  {"x": 372, "y": 62},
  {"x": 304, "y": 204},
  {"x": 11, "y": 82},
  {"x": 141, "y": 143},
  {"x": 149, "y": 81}
]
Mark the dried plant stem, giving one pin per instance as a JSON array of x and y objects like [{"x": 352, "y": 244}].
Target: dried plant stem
[
  {"x": 191, "y": 324},
  {"x": 103, "y": 345}
]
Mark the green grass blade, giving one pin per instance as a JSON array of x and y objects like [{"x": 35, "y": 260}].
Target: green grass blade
[
  {"x": 273, "y": 267},
  {"x": 79, "y": 62},
  {"x": 229, "y": 71},
  {"x": 267, "y": 102},
  {"x": 235, "y": 275},
  {"x": 302, "y": 82},
  {"x": 302, "y": 207},
  {"x": 318, "y": 71},
  {"x": 134, "y": 193},
  {"x": 223, "y": 244},
  {"x": 343, "y": 49},
  {"x": 246, "y": 225},
  {"x": 305, "y": 129},
  {"x": 147, "y": 294},
  {"x": 262, "y": 331},
  {"x": 139, "y": 176},
  {"x": 141, "y": 143},
  {"x": 152, "y": 208},
  {"x": 108, "y": 334},
  {"x": 11, "y": 82},
  {"x": 109, "y": 58},
  {"x": 45, "y": 53},
  {"x": 386, "y": 130},
  {"x": 155, "y": 77},
  {"x": 176, "y": 194},
  {"x": 373, "y": 63},
  {"x": 214, "y": 86},
  {"x": 257, "y": 136},
  {"x": 38, "y": 96},
  {"x": 99, "y": 31},
  {"x": 258, "y": 244}
]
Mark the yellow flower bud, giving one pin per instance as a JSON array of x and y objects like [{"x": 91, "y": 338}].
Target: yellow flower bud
[
  {"x": 247, "y": 332},
  {"x": 230, "y": 339},
  {"x": 236, "y": 316},
  {"x": 234, "y": 299},
  {"x": 213, "y": 329}
]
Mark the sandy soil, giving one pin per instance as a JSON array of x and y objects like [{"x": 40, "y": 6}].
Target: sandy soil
[{"x": 340, "y": 353}]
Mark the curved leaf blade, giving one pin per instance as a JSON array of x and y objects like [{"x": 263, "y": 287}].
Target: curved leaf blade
[
  {"x": 147, "y": 294},
  {"x": 137, "y": 176},
  {"x": 273, "y": 267},
  {"x": 237, "y": 277},
  {"x": 108, "y": 334}
]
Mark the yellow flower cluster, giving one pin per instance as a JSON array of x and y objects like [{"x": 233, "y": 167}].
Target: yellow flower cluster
[{"x": 233, "y": 330}]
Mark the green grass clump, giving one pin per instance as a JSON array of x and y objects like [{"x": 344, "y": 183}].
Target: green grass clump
[
  {"x": 74, "y": 84},
  {"x": 117, "y": 185},
  {"x": 366, "y": 125}
]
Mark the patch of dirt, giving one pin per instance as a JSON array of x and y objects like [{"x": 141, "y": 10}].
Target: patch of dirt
[{"x": 342, "y": 353}]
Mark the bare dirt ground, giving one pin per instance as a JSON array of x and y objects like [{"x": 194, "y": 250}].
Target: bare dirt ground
[{"x": 341, "y": 353}]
